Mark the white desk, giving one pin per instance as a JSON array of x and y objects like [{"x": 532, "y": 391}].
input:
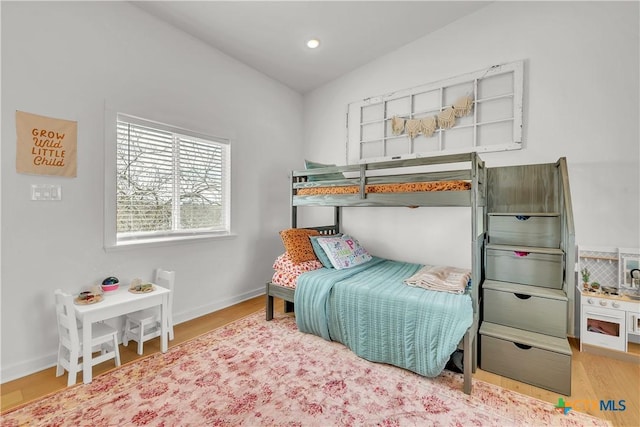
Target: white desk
[{"x": 116, "y": 303}]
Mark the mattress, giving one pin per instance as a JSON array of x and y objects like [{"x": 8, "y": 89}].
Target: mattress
[{"x": 408, "y": 187}]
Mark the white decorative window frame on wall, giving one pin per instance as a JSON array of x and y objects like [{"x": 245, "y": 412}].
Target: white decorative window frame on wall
[{"x": 494, "y": 123}]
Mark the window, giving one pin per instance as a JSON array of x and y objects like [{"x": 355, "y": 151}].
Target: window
[{"x": 170, "y": 182}]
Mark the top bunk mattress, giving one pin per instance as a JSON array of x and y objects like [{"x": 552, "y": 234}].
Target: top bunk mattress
[{"x": 408, "y": 187}]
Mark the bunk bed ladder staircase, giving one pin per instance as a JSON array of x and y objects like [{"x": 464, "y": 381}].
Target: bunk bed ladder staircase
[{"x": 527, "y": 295}]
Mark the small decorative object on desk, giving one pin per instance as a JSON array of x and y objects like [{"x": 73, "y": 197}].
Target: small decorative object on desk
[
  {"x": 87, "y": 297},
  {"x": 137, "y": 287},
  {"x": 110, "y": 284}
]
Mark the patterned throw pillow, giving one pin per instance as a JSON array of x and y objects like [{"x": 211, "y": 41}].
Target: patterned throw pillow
[
  {"x": 284, "y": 263},
  {"x": 320, "y": 253},
  {"x": 296, "y": 243},
  {"x": 344, "y": 251},
  {"x": 284, "y": 278}
]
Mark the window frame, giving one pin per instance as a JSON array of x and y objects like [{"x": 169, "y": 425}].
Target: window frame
[{"x": 160, "y": 238}]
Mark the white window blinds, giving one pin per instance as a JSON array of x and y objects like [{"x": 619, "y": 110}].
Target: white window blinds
[{"x": 169, "y": 181}]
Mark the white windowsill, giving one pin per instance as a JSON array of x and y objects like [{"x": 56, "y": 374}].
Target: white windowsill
[{"x": 167, "y": 241}]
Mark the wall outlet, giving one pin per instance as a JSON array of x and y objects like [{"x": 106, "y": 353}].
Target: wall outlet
[{"x": 46, "y": 192}]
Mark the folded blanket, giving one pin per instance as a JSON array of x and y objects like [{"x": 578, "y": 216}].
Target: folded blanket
[{"x": 441, "y": 278}]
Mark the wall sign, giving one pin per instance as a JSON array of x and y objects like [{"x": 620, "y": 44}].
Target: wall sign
[{"x": 46, "y": 146}]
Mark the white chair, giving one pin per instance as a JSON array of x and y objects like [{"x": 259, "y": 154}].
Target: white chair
[
  {"x": 143, "y": 325},
  {"x": 70, "y": 340}
]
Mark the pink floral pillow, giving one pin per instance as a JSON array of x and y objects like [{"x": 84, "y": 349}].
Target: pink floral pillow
[
  {"x": 285, "y": 263},
  {"x": 284, "y": 278},
  {"x": 287, "y": 272}
]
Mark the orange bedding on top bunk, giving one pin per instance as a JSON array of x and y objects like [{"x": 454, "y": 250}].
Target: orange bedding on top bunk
[{"x": 407, "y": 187}]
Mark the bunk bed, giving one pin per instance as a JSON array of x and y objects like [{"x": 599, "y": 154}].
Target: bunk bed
[{"x": 447, "y": 180}]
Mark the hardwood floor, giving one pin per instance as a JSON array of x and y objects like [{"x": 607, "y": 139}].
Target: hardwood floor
[{"x": 594, "y": 377}]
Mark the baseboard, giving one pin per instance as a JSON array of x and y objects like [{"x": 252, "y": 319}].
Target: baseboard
[
  {"x": 194, "y": 313},
  {"x": 31, "y": 366},
  {"x": 628, "y": 356},
  {"x": 27, "y": 367}
]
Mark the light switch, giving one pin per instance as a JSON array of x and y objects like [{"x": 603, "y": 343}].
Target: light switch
[{"x": 46, "y": 192}]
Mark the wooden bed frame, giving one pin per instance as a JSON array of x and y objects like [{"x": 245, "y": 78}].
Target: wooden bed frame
[{"x": 401, "y": 171}]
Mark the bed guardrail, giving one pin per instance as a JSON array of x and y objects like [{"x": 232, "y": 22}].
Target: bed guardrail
[{"x": 404, "y": 171}]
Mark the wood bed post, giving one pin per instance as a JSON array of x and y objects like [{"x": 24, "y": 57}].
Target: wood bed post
[
  {"x": 288, "y": 305},
  {"x": 294, "y": 217},
  {"x": 467, "y": 360},
  {"x": 477, "y": 201},
  {"x": 269, "y": 308},
  {"x": 336, "y": 219},
  {"x": 477, "y": 241},
  {"x": 294, "y": 209},
  {"x": 474, "y": 230},
  {"x": 363, "y": 180}
]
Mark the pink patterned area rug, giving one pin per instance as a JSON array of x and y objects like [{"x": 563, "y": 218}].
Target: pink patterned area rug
[{"x": 253, "y": 372}]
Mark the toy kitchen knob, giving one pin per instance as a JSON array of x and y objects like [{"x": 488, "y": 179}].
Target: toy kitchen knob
[
  {"x": 590, "y": 301},
  {"x": 615, "y": 305},
  {"x": 603, "y": 303}
]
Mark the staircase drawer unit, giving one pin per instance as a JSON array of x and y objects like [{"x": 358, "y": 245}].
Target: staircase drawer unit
[
  {"x": 525, "y": 265},
  {"x": 538, "y": 230},
  {"x": 526, "y": 307},
  {"x": 532, "y": 358}
]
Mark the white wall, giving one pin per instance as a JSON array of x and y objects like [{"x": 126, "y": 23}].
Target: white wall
[
  {"x": 581, "y": 102},
  {"x": 67, "y": 59}
]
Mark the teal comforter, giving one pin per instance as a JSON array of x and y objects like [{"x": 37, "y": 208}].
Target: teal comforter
[{"x": 369, "y": 309}]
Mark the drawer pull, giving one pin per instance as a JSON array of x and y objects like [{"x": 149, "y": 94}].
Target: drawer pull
[
  {"x": 522, "y": 346},
  {"x": 522, "y": 217},
  {"x": 520, "y": 254},
  {"x": 522, "y": 296}
]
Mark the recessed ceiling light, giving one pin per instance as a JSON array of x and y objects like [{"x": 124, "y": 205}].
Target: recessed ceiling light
[{"x": 313, "y": 43}]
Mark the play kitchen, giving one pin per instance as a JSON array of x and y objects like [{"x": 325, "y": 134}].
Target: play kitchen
[{"x": 609, "y": 298}]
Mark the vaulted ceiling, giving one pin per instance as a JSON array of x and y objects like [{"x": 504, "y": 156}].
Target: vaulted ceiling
[{"x": 271, "y": 36}]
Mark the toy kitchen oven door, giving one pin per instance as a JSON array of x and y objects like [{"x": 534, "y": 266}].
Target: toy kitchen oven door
[{"x": 604, "y": 327}]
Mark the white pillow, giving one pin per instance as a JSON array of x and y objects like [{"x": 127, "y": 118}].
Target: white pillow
[{"x": 344, "y": 251}]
